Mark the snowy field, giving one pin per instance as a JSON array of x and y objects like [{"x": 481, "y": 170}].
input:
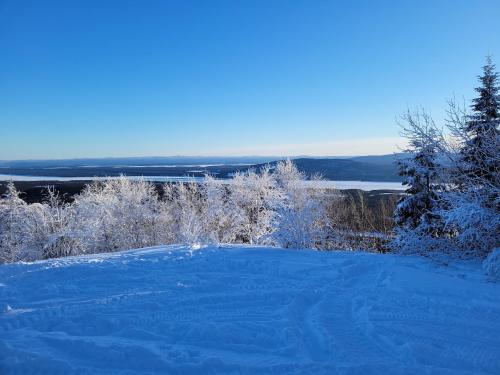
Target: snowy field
[{"x": 247, "y": 311}]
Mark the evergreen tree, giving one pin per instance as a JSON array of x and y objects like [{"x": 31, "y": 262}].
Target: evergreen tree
[
  {"x": 417, "y": 210},
  {"x": 480, "y": 152},
  {"x": 472, "y": 205},
  {"x": 419, "y": 172}
]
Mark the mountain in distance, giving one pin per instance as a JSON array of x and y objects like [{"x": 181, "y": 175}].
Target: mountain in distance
[
  {"x": 361, "y": 168},
  {"x": 388, "y": 159},
  {"x": 146, "y": 161},
  {"x": 381, "y": 168}
]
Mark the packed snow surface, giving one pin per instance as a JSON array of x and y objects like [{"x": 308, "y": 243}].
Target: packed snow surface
[{"x": 247, "y": 310}]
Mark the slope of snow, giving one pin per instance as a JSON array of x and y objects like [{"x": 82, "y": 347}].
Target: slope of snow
[{"x": 247, "y": 311}]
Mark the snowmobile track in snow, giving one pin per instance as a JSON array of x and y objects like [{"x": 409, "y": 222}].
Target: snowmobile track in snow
[{"x": 243, "y": 310}]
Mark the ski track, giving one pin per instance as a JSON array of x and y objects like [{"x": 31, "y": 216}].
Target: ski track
[{"x": 245, "y": 311}]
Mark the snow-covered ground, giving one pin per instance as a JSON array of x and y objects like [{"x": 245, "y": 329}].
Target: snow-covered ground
[{"x": 247, "y": 311}]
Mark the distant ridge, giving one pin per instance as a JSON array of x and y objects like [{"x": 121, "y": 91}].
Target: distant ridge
[
  {"x": 363, "y": 168},
  {"x": 380, "y": 168},
  {"x": 141, "y": 160}
]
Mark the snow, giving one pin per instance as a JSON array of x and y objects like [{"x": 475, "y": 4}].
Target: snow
[
  {"x": 325, "y": 184},
  {"x": 247, "y": 310},
  {"x": 491, "y": 265}
]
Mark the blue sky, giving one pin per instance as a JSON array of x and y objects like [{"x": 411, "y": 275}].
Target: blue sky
[{"x": 139, "y": 78}]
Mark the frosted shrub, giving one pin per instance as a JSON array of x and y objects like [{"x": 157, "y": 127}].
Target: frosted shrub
[
  {"x": 13, "y": 213},
  {"x": 225, "y": 221},
  {"x": 186, "y": 204},
  {"x": 263, "y": 207},
  {"x": 35, "y": 231},
  {"x": 301, "y": 219},
  {"x": 476, "y": 225},
  {"x": 16, "y": 223},
  {"x": 119, "y": 214},
  {"x": 491, "y": 265},
  {"x": 254, "y": 196}
]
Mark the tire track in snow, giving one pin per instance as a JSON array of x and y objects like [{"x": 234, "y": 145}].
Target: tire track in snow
[{"x": 247, "y": 311}]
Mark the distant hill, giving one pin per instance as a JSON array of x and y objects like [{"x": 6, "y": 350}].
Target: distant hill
[
  {"x": 380, "y": 168},
  {"x": 136, "y": 161},
  {"x": 364, "y": 168},
  {"x": 377, "y": 159}
]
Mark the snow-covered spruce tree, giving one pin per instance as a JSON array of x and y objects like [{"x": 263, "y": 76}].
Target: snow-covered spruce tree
[
  {"x": 472, "y": 211},
  {"x": 301, "y": 218},
  {"x": 416, "y": 217},
  {"x": 480, "y": 153}
]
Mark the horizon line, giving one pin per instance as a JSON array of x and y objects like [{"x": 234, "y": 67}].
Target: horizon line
[{"x": 202, "y": 156}]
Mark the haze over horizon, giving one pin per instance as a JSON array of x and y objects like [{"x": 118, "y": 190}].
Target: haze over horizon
[
  {"x": 85, "y": 79},
  {"x": 348, "y": 146}
]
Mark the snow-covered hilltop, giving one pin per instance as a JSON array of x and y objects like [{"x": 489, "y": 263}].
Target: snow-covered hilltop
[{"x": 247, "y": 310}]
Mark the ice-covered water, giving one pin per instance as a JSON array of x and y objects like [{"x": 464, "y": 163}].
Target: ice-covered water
[{"x": 361, "y": 185}]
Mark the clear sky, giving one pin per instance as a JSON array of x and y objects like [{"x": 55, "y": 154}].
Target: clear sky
[{"x": 139, "y": 78}]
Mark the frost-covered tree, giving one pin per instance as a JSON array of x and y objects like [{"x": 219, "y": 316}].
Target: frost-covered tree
[
  {"x": 119, "y": 214},
  {"x": 471, "y": 206},
  {"x": 472, "y": 211},
  {"x": 51, "y": 228},
  {"x": 416, "y": 215},
  {"x": 263, "y": 207},
  {"x": 480, "y": 152},
  {"x": 224, "y": 220},
  {"x": 468, "y": 217},
  {"x": 186, "y": 204},
  {"x": 254, "y": 196},
  {"x": 419, "y": 168},
  {"x": 12, "y": 233},
  {"x": 301, "y": 217},
  {"x": 35, "y": 231}
]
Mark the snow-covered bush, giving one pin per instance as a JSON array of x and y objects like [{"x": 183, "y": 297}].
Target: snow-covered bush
[
  {"x": 301, "y": 219},
  {"x": 186, "y": 205},
  {"x": 13, "y": 211},
  {"x": 120, "y": 214},
  {"x": 491, "y": 265},
  {"x": 225, "y": 220},
  {"x": 35, "y": 231},
  {"x": 51, "y": 228},
  {"x": 269, "y": 206},
  {"x": 474, "y": 227},
  {"x": 254, "y": 197}
]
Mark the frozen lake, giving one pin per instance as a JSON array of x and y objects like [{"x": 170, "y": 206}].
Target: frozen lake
[{"x": 343, "y": 185}]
